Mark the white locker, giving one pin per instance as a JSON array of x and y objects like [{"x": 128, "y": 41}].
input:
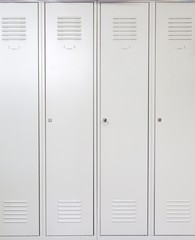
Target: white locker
[
  {"x": 69, "y": 118},
  {"x": 19, "y": 152},
  {"x": 124, "y": 118},
  {"x": 175, "y": 118}
]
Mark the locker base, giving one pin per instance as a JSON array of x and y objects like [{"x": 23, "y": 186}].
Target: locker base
[{"x": 101, "y": 238}]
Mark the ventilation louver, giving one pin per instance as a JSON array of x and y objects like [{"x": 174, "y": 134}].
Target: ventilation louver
[
  {"x": 125, "y": 29},
  {"x": 123, "y": 211},
  {"x": 69, "y": 28},
  {"x": 178, "y": 211},
  {"x": 13, "y": 28},
  {"x": 180, "y": 28},
  {"x": 69, "y": 211},
  {"x": 15, "y": 211}
]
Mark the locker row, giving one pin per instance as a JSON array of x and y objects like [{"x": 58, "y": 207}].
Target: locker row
[{"x": 94, "y": 66}]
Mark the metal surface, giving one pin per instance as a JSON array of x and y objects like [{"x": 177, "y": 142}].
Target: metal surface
[
  {"x": 19, "y": 140},
  {"x": 175, "y": 135},
  {"x": 160, "y": 226},
  {"x": 69, "y": 102},
  {"x": 124, "y": 100}
]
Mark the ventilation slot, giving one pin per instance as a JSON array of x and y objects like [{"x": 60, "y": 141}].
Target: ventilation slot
[
  {"x": 69, "y": 28},
  {"x": 125, "y": 29},
  {"x": 178, "y": 211},
  {"x": 123, "y": 211},
  {"x": 69, "y": 211},
  {"x": 13, "y": 28},
  {"x": 180, "y": 29},
  {"x": 15, "y": 211}
]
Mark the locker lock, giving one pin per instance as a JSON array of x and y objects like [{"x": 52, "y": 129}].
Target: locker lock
[
  {"x": 105, "y": 121},
  {"x": 50, "y": 120}
]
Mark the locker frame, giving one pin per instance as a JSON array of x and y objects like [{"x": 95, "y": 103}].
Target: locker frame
[{"x": 152, "y": 117}]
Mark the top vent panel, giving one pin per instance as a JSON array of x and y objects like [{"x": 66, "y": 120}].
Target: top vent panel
[
  {"x": 13, "y": 28},
  {"x": 180, "y": 28},
  {"x": 125, "y": 29},
  {"x": 69, "y": 28}
]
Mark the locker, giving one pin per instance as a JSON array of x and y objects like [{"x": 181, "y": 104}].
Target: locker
[
  {"x": 124, "y": 118},
  {"x": 175, "y": 117},
  {"x": 69, "y": 118},
  {"x": 19, "y": 152}
]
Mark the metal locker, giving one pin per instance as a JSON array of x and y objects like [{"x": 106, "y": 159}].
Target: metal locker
[
  {"x": 124, "y": 118},
  {"x": 175, "y": 117},
  {"x": 69, "y": 116},
  {"x": 19, "y": 154}
]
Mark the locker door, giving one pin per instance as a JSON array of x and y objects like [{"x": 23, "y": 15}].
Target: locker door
[
  {"x": 124, "y": 118},
  {"x": 69, "y": 91},
  {"x": 175, "y": 113},
  {"x": 19, "y": 206}
]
